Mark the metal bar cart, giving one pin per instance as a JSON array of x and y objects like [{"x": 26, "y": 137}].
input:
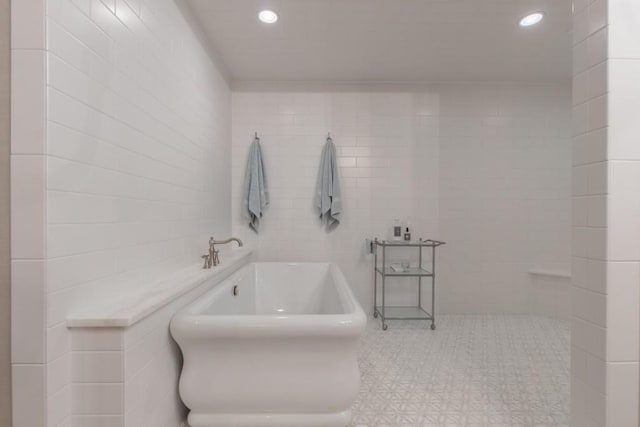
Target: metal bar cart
[{"x": 411, "y": 312}]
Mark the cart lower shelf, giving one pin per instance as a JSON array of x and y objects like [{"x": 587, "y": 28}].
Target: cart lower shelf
[{"x": 403, "y": 313}]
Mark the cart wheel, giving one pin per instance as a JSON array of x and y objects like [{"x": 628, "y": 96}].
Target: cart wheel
[
  {"x": 375, "y": 314},
  {"x": 384, "y": 327},
  {"x": 433, "y": 326}
]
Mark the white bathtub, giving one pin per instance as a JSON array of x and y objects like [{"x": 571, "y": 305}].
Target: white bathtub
[{"x": 280, "y": 353}]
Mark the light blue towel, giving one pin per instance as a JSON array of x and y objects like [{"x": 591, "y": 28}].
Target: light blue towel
[
  {"x": 327, "y": 198},
  {"x": 256, "y": 195}
]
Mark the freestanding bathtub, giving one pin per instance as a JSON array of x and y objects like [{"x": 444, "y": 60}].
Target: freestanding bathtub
[{"x": 272, "y": 345}]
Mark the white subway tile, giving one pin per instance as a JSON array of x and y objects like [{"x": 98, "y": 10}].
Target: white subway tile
[
  {"x": 596, "y": 337},
  {"x": 596, "y": 211},
  {"x": 28, "y": 309},
  {"x": 596, "y": 407},
  {"x": 623, "y": 313},
  {"x": 59, "y": 408},
  {"x": 596, "y": 373},
  {"x": 580, "y": 119},
  {"x": 28, "y": 202},
  {"x": 67, "y": 15},
  {"x": 581, "y": 88},
  {"x": 580, "y": 57},
  {"x": 580, "y": 25},
  {"x": 623, "y": 29},
  {"x": 590, "y": 147},
  {"x": 346, "y": 162},
  {"x": 74, "y": 270},
  {"x": 597, "y": 178},
  {"x": 622, "y": 394},
  {"x": 579, "y": 5},
  {"x": 28, "y": 104},
  {"x": 97, "y": 339},
  {"x": 27, "y": 24},
  {"x": 579, "y": 367},
  {"x": 97, "y": 399},
  {"x": 598, "y": 114},
  {"x": 580, "y": 181},
  {"x": 579, "y": 272},
  {"x": 99, "y": 421},
  {"x": 596, "y": 276},
  {"x": 97, "y": 366},
  {"x": 83, "y": 5},
  {"x": 579, "y": 335},
  {"x": 598, "y": 80},
  {"x": 597, "y": 45},
  {"x": 624, "y": 101},
  {"x": 623, "y": 210},
  {"x": 597, "y": 15},
  {"x": 578, "y": 400},
  {"x": 110, "y": 4},
  {"x": 58, "y": 377},
  {"x": 28, "y": 395},
  {"x": 58, "y": 340}
]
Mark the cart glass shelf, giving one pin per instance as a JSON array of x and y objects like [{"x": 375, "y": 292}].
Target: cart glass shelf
[
  {"x": 407, "y": 272},
  {"x": 404, "y": 313},
  {"x": 408, "y": 243}
]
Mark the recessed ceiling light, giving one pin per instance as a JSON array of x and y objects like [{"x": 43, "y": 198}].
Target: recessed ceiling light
[
  {"x": 268, "y": 16},
  {"x": 531, "y": 19}
]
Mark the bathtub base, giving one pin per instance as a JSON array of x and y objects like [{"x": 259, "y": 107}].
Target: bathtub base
[{"x": 338, "y": 419}]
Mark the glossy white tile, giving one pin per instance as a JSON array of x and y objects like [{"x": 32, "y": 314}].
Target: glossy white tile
[
  {"x": 28, "y": 311},
  {"x": 97, "y": 366},
  {"x": 97, "y": 399},
  {"x": 622, "y": 394},
  {"x": 623, "y": 101},
  {"x": 623, "y": 314},
  {"x": 624, "y": 16},
  {"x": 28, "y": 203},
  {"x": 28, "y": 27},
  {"x": 28, "y": 103},
  {"x": 29, "y": 395}
]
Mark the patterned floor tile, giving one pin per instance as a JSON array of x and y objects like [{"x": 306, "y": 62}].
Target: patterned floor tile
[{"x": 474, "y": 370}]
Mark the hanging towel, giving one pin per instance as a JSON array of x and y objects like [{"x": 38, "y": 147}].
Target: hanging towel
[
  {"x": 327, "y": 198},
  {"x": 256, "y": 195}
]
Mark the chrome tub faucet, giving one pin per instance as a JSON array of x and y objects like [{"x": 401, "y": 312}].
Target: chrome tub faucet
[{"x": 213, "y": 257}]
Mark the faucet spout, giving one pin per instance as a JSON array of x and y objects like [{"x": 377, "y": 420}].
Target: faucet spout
[
  {"x": 214, "y": 255},
  {"x": 230, "y": 239}
]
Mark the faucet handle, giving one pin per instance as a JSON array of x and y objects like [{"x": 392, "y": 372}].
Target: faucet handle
[{"x": 207, "y": 261}]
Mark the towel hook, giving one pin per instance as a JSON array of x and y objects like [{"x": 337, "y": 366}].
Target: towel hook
[
  {"x": 255, "y": 135},
  {"x": 328, "y": 135}
]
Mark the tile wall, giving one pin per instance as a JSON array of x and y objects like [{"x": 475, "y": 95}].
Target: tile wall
[
  {"x": 377, "y": 174},
  {"x": 128, "y": 377},
  {"x": 590, "y": 169},
  {"x": 504, "y": 195},
  {"x": 623, "y": 214},
  {"x": 120, "y": 143},
  {"x": 484, "y": 167},
  {"x": 5, "y": 256},
  {"x": 606, "y": 293}
]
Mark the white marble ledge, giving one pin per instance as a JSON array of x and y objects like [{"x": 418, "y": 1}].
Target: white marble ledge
[{"x": 140, "y": 303}]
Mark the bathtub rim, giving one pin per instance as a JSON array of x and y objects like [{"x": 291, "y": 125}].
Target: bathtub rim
[{"x": 191, "y": 322}]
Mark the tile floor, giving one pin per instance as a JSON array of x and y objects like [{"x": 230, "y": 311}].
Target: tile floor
[{"x": 474, "y": 370}]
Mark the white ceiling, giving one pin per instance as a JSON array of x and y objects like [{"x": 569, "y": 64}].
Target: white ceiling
[{"x": 389, "y": 40}]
